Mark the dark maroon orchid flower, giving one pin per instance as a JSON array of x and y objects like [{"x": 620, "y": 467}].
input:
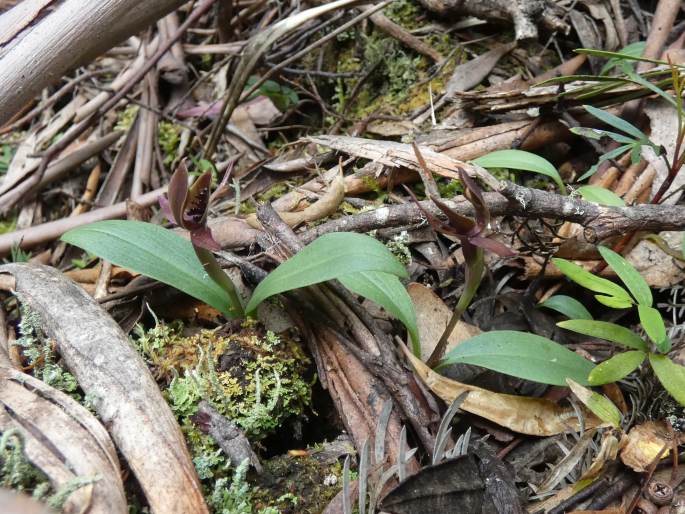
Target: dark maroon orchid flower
[
  {"x": 472, "y": 233},
  {"x": 187, "y": 207}
]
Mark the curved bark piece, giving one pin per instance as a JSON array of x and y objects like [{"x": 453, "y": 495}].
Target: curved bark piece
[
  {"x": 55, "y": 41},
  {"x": 64, "y": 440},
  {"x": 124, "y": 393}
]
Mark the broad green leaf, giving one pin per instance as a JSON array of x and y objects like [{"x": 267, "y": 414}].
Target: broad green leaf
[
  {"x": 522, "y": 355},
  {"x": 653, "y": 323},
  {"x": 628, "y": 275},
  {"x": 153, "y": 251},
  {"x": 613, "y": 301},
  {"x": 569, "y": 307},
  {"x": 616, "y": 368},
  {"x": 598, "y": 404},
  {"x": 388, "y": 292},
  {"x": 616, "y": 122},
  {"x": 520, "y": 160},
  {"x": 605, "y": 330},
  {"x": 328, "y": 257},
  {"x": 633, "y": 50},
  {"x": 601, "y": 196},
  {"x": 589, "y": 281},
  {"x": 671, "y": 376}
]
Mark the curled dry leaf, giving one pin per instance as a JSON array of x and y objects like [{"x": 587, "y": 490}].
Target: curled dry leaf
[
  {"x": 124, "y": 394},
  {"x": 522, "y": 414},
  {"x": 432, "y": 316},
  {"x": 64, "y": 440},
  {"x": 642, "y": 444},
  {"x": 323, "y": 207}
]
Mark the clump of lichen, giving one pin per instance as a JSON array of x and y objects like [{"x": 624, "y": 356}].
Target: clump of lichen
[
  {"x": 398, "y": 246},
  {"x": 16, "y": 472},
  {"x": 39, "y": 355}
]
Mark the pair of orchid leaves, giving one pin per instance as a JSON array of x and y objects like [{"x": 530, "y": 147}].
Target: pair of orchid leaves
[{"x": 187, "y": 207}]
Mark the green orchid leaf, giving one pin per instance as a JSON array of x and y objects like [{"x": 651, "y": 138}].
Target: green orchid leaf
[
  {"x": 329, "y": 257},
  {"x": 522, "y": 355},
  {"x": 601, "y": 196},
  {"x": 569, "y": 307},
  {"x": 521, "y": 160},
  {"x": 605, "y": 330},
  {"x": 155, "y": 252},
  {"x": 628, "y": 275},
  {"x": 589, "y": 281},
  {"x": 388, "y": 292},
  {"x": 653, "y": 323},
  {"x": 614, "y": 302},
  {"x": 617, "y": 367},
  {"x": 671, "y": 376}
]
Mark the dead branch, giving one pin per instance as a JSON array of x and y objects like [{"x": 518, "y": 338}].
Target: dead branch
[{"x": 39, "y": 47}]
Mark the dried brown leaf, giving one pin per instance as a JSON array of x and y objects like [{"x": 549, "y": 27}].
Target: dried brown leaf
[{"x": 522, "y": 414}]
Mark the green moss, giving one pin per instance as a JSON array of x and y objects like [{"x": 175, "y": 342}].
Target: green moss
[
  {"x": 450, "y": 188},
  {"x": 311, "y": 484},
  {"x": 398, "y": 246},
  {"x": 274, "y": 192},
  {"x": 169, "y": 136},
  {"x": 405, "y": 13},
  {"x": 126, "y": 118},
  {"x": 8, "y": 225}
]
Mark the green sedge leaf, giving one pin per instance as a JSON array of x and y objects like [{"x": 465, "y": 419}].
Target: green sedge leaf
[
  {"x": 639, "y": 79},
  {"x": 616, "y": 122},
  {"x": 593, "y": 133},
  {"x": 620, "y": 55},
  {"x": 520, "y": 160},
  {"x": 589, "y": 281},
  {"x": 569, "y": 307},
  {"x": 617, "y": 367},
  {"x": 601, "y": 196},
  {"x": 614, "y": 302},
  {"x": 605, "y": 157},
  {"x": 155, "y": 252},
  {"x": 598, "y": 404},
  {"x": 671, "y": 376},
  {"x": 628, "y": 275},
  {"x": 388, "y": 292},
  {"x": 329, "y": 257},
  {"x": 522, "y": 355},
  {"x": 605, "y": 330},
  {"x": 653, "y": 323},
  {"x": 633, "y": 50}
]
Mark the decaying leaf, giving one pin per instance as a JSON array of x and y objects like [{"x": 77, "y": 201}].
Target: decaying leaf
[
  {"x": 113, "y": 375},
  {"x": 64, "y": 440},
  {"x": 526, "y": 415},
  {"x": 323, "y": 207},
  {"x": 432, "y": 316},
  {"x": 642, "y": 444},
  {"x": 451, "y": 486}
]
